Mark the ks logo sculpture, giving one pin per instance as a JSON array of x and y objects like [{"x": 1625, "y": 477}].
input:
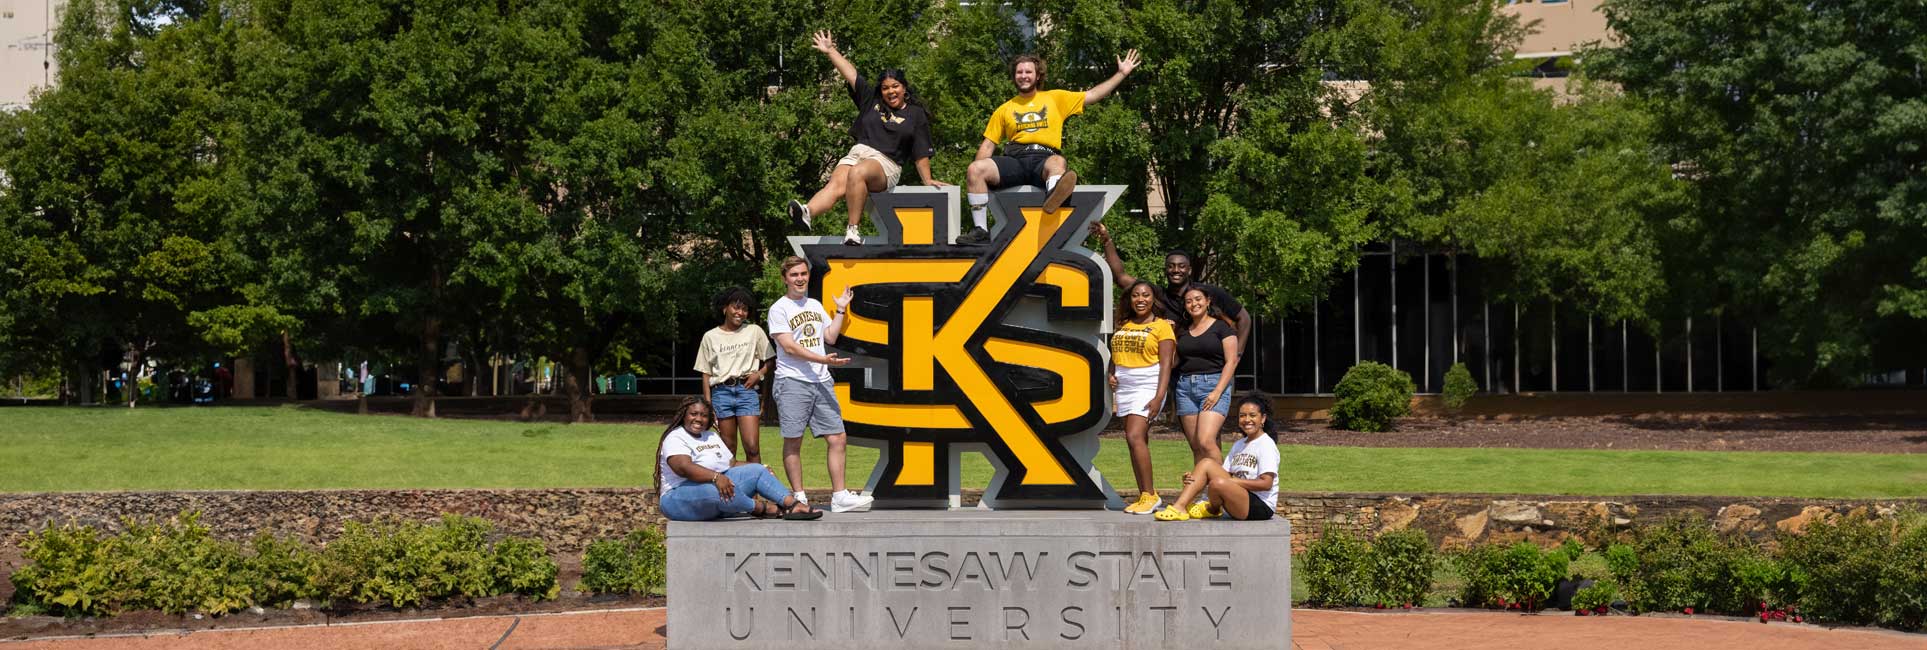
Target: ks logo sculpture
[{"x": 995, "y": 348}]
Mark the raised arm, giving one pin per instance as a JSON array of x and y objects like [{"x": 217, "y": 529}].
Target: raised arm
[
  {"x": 1244, "y": 334},
  {"x": 1125, "y": 65},
  {"x": 826, "y": 44},
  {"x": 840, "y": 318},
  {"x": 1123, "y": 280}
]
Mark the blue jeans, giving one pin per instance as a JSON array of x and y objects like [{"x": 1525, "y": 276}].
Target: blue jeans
[
  {"x": 700, "y": 501},
  {"x": 731, "y": 401},
  {"x": 1193, "y": 388}
]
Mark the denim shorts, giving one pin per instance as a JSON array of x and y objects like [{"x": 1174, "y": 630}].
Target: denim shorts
[
  {"x": 731, "y": 401},
  {"x": 1192, "y": 389}
]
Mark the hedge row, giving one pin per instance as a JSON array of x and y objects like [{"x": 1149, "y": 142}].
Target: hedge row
[
  {"x": 177, "y": 567},
  {"x": 1851, "y": 570}
]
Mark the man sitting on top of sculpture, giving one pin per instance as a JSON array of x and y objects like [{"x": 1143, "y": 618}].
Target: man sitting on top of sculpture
[{"x": 1030, "y": 127}]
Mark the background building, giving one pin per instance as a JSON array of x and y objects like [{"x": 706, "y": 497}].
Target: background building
[{"x": 26, "y": 48}]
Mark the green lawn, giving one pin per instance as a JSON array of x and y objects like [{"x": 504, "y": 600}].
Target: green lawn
[{"x": 76, "y": 449}]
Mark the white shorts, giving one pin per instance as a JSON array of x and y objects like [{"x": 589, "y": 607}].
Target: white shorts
[
  {"x": 1135, "y": 388},
  {"x": 862, "y": 152}
]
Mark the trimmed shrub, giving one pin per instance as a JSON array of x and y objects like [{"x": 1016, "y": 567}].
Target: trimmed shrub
[
  {"x": 1520, "y": 575},
  {"x": 177, "y": 567},
  {"x": 1595, "y": 596},
  {"x": 1336, "y": 567},
  {"x": 283, "y": 570},
  {"x": 409, "y": 563},
  {"x": 1682, "y": 563},
  {"x": 633, "y": 564},
  {"x": 174, "y": 566},
  {"x": 1904, "y": 582},
  {"x": 1400, "y": 567},
  {"x": 1837, "y": 568},
  {"x": 1459, "y": 387},
  {"x": 1371, "y": 396}
]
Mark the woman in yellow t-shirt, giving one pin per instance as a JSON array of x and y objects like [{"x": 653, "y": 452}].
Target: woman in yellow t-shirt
[{"x": 1143, "y": 350}]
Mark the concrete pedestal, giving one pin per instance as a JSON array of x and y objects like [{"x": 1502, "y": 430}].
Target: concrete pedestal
[{"x": 1030, "y": 579}]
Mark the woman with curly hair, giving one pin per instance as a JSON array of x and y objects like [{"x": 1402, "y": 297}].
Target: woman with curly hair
[
  {"x": 734, "y": 358},
  {"x": 697, "y": 479}
]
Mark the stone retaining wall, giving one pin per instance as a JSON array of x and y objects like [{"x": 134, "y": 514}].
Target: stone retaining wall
[{"x": 568, "y": 519}]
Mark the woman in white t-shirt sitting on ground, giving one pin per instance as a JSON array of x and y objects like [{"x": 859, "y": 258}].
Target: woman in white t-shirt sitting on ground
[
  {"x": 696, "y": 480},
  {"x": 1246, "y": 486}
]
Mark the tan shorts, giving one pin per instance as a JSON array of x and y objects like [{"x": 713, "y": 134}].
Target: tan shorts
[{"x": 862, "y": 152}]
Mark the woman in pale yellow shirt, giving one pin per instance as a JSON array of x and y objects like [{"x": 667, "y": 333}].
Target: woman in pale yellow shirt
[{"x": 1143, "y": 350}]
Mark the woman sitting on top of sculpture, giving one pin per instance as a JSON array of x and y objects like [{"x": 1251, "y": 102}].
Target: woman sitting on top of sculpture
[{"x": 892, "y": 129}]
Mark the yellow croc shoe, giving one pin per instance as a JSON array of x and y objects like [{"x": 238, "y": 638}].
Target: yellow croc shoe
[
  {"x": 1147, "y": 503},
  {"x": 1173, "y": 513},
  {"x": 1203, "y": 510}
]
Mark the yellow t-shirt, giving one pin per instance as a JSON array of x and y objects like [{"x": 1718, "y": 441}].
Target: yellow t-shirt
[
  {"x": 1038, "y": 121},
  {"x": 1136, "y": 346}
]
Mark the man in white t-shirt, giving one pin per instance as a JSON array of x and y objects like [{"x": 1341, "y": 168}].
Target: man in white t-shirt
[{"x": 805, "y": 394}]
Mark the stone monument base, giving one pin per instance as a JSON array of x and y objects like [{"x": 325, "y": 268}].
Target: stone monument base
[{"x": 1042, "y": 579}]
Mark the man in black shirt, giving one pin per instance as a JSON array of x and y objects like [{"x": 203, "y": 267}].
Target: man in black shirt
[{"x": 1177, "y": 275}]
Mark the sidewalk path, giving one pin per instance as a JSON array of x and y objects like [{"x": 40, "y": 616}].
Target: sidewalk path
[{"x": 642, "y": 629}]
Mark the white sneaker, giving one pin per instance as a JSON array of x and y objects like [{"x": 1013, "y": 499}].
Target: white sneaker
[
  {"x": 851, "y": 237},
  {"x": 801, "y": 497},
  {"x": 849, "y": 501},
  {"x": 799, "y": 214}
]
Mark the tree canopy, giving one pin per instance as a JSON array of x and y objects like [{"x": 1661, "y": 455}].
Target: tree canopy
[{"x": 574, "y": 180}]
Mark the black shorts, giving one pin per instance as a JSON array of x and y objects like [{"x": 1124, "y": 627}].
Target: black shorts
[
  {"x": 1025, "y": 168},
  {"x": 1256, "y": 509}
]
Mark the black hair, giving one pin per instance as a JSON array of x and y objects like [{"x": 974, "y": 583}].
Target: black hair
[
  {"x": 1211, "y": 307},
  {"x": 732, "y": 296},
  {"x": 1179, "y": 252},
  {"x": 1124, "y": 311},
  {"x": 910, "y": 97},
  {"x": 1263, "y": 402},
  {"x": 682, "y": 414}
]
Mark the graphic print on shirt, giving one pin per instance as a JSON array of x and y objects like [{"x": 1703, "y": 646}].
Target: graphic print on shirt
[
  {"x": 1031, "y": 121},
  {"x": 997, "y": 349},
  {"x": 805, "y": 328}
]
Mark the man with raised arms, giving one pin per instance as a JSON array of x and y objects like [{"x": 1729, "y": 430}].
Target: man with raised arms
[{"x": 1030, "y": 128}]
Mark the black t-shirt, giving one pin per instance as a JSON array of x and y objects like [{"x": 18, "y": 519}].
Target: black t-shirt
[
  {"x": 1203, "y": 353},
  {"x": 1174, "y": 303},
  {"x": 903, "y": 134}
]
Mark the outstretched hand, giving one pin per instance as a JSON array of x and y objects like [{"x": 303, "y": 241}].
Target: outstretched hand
[
  {"x": 843, "y": 301},
  {"x": 1127, "y": 63},
  {"x": 823, "y": 42},
  {"x": 1103, "y": 234}
]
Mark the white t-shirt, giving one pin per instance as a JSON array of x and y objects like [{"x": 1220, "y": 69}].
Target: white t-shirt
[
  {"x": 724, "y": 354},
  {"x": 1249, "y": 460},
  {"x": 707, "y": 451},
  {"x": 805, "y": 321}
]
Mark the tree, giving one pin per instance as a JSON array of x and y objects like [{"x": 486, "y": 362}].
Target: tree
[
  {"x": 1798, "y": 126},
  {"x": 1565, "y": 197},
  {"x": 113, "y": 207}
]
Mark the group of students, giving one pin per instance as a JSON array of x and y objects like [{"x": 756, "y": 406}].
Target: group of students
[
  {"x": 697, "y": 475},
  {"x": 1184, "y": 337},
  {"x": 892, "y": 129}
]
